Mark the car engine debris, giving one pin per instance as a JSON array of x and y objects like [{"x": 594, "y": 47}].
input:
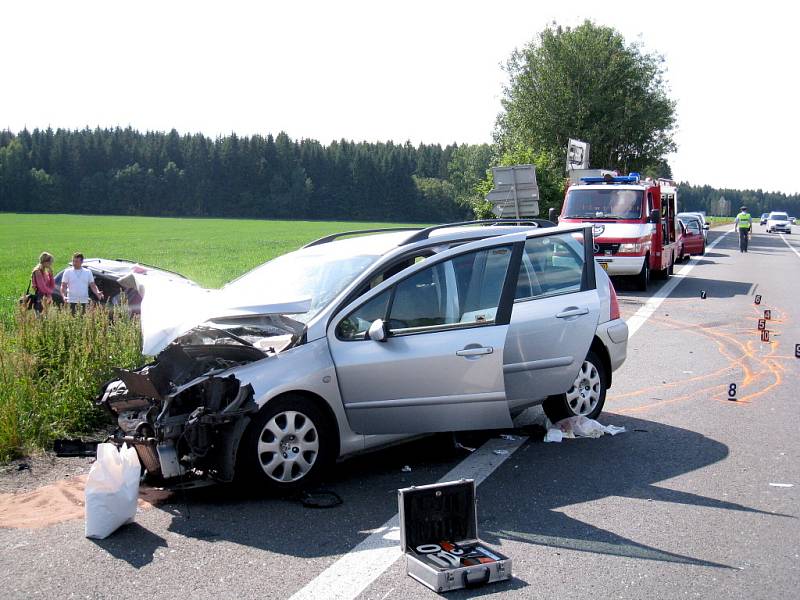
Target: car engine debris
[{"x": 182, "y": 413}]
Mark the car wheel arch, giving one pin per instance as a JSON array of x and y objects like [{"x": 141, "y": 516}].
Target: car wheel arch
[
  {"x": 317, "y": 400},
  {"x": 599, "y": 348}
]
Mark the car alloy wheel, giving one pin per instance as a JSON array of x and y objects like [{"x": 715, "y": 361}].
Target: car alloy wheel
[
  {"x": 288, "y": 446},
  {"x": 585, "y": 397},
  {"x": 584, "y": 394}
]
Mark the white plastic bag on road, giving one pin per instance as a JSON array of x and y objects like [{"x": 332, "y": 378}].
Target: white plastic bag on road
[
  {"x": 579, "y": 427},
  {"x": 112, "y": 490}
]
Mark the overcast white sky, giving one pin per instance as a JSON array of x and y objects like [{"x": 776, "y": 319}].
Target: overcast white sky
[{"x": 425, "y": 71}]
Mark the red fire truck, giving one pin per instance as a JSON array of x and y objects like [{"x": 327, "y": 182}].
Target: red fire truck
[{"x": 633, "y": 219}]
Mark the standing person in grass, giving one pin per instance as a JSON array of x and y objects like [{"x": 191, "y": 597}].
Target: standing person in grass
[
  {"x": 75, "y": 284},
  {"x": 42, "y": 281}
]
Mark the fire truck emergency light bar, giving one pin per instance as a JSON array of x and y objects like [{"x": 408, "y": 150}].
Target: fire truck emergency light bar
[{"x": 632, "y": 178}]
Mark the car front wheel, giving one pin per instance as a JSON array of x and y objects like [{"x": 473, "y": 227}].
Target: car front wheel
[
  {"x": 288, "y": 445},
  {"x": 643, "y": 278},
  {"x": 585, "y": 397}
]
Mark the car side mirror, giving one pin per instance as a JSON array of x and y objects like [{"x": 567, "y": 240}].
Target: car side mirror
[
  {"x": 655, "y": 217},
  {"x": 706, "y": 226},
  {"x": 552, "y": 216},
  {"x": 378, "y": 331}
]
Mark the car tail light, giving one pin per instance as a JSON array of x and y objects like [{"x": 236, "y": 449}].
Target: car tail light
[{"x": 614, "y": 301}]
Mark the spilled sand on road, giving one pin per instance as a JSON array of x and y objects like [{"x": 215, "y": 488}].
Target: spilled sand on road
[{"x": 58, "y": 502}]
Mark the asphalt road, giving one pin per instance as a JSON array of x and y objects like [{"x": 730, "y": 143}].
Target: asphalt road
[{"x": 681, "y": 505}]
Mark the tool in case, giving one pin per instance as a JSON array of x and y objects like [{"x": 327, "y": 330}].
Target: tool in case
[{"x": 439, "y": 537}]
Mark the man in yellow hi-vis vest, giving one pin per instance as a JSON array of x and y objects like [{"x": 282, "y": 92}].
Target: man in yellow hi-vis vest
[{"x": 743, "y": 223}]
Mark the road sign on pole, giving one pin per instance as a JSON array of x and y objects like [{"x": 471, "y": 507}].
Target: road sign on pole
[
  {"x": 515, "y": 192},
  {"x": 577, "y": 155}
]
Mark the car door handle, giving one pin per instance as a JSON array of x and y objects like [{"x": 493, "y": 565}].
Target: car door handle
[
  {"x": 475, "y": 351},
  {"x": 572, "y": 311}
]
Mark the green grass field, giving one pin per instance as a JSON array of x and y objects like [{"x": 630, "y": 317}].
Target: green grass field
[
  {"x": 52, "y": 365},
  {"x": 209, "y": 251}
]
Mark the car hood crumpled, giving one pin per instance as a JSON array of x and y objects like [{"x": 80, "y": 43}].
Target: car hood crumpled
[{"x": 171, "y": 308}]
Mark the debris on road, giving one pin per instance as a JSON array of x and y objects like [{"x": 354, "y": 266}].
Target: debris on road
[
  {"x": 508, "y": 437},
  {"x": 72, "y": 448},
  {"x": 500, "y": 452},
  {"x": 581, "y": 426},
  {"x": 406, "y": 469},
  {"x": 112, "y": 490}
]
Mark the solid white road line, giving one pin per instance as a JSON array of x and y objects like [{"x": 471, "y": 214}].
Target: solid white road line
[
  {"x": 792, "y": 248},
  {"x": 645, "y": 312},
  {"x": 354, "y": 571}
]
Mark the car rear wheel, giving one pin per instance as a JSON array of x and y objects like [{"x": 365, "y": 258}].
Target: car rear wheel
[
  {"x": 585, "y": 397},
  {"x": 288, "y": 445}
]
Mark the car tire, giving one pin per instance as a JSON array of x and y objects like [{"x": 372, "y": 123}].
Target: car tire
[
  {"x": 643, "y": 278},
  {"x": 587, "y": 395},
  {"x": 288, "y": 446}
]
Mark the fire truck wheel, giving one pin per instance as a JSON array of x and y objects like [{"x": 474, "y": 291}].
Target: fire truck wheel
[
  {"x": 661, "y": 274},
  {"x": 586, "y": 396},
  {"x": 643, "y": 278}
]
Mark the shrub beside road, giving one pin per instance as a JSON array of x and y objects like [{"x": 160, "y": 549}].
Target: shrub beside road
[{"x": 51, "y": 367}]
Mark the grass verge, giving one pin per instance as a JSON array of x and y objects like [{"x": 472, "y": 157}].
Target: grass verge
[{"x": 51, "y": 366}]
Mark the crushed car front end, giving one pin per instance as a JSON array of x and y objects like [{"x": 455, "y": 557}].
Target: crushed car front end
[{"x": 186, "y": 412}]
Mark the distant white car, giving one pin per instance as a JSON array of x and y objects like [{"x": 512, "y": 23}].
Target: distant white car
[{"x": 779, "y": 221}]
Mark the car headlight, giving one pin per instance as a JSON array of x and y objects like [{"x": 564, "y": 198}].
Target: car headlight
[{"x": 635, "y": 247}]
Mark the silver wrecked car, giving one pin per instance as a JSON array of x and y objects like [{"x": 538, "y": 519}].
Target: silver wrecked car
[{"x": 352, "y": 343}]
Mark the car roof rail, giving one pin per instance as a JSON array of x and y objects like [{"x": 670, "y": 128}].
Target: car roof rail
[
  {"x": 333, "y": 236},
  {"x": 424, "y": 234}
]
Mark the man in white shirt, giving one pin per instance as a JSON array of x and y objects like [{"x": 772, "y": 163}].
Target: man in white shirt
[{"x": 75, "y": 284}]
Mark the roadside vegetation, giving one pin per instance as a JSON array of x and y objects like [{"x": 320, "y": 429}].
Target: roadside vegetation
[
  {"x": 717, "y": 221},
  {"x": 51, "y": 367}
]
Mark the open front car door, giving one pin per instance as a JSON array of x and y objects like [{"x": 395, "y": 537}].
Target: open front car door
[{"x": 423, "y": 351}]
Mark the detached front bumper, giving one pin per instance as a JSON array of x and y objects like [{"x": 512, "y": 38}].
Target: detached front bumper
[
  {"x": 620, "y": 264},
  {"x": 614, "y": 335}
]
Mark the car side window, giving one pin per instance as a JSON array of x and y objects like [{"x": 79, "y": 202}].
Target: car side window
[
  {"x": 551, "y": 265},
  {"x": 355, "y": 325},
  {"x": 460, "y": 292}
]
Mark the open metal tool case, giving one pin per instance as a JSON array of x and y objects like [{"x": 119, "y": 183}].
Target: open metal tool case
[{"x": 439, "y": 537}]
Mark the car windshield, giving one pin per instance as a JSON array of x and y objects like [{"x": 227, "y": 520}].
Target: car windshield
[
  {"x": 318, "y": 273},
  {"x": 779, "y": 217},
  {"x": 608, "y": 203}
]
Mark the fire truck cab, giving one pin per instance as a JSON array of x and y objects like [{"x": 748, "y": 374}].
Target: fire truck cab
[{"x": 633, "y": 220}]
